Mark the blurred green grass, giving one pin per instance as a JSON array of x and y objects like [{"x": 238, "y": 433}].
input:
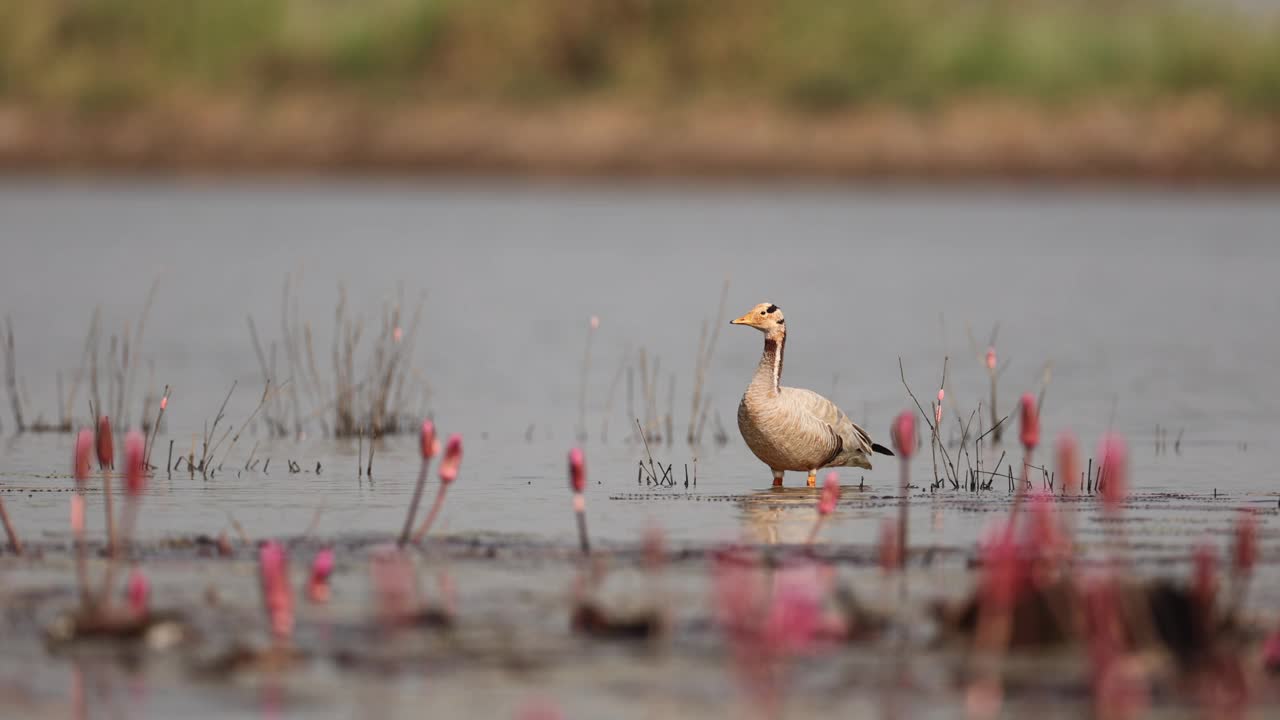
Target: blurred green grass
[{"x": 804, "y": 54}]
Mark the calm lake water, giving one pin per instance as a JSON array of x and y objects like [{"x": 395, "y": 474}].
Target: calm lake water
[{"x": 1154, "y": 308}]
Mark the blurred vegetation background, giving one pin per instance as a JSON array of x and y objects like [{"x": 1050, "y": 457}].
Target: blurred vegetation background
[{"x": 87, "y": 57}]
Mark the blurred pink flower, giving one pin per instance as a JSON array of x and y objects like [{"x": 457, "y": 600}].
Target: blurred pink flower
[
  {"x": 277, "y": 595},
  {"x": 577, "y": 471},
  {"x": 452, "y": 459},
  {"x": 138, "y": 590},
  {"x": 1113, "y": 469},
  {"x": 106, "y": 446},
  {"x": 903, "y": 434},
  {"x": 428, "y": 445},
  {"x": 83, "y": 454},
  {"x": 830, "y": 494},
  {"x": 1029, "y": 422},
  {"x": 135, "y": 477}
]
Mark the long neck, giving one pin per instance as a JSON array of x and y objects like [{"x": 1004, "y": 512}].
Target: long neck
[{"x": 768, "y": 375}]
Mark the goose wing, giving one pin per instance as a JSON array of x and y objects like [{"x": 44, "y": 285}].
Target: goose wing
[{"x": 853, "y": 438}]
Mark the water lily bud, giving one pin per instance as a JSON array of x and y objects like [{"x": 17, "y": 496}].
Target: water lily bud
[
  {"x": 452, "y": 459},
  {"x": 429, "y": 445},
  {"x": 1030, "y": 422},
  {"x": 830, "y": 494},
  {"x": 904, "y": 434},
  {"x": 83, "y": 454},
  {"x": 135, "y": 473},
  {"x": 1114, "y": 470},
  {"x": 577, "y": 471},
  {"x": 106, "y": 447}
]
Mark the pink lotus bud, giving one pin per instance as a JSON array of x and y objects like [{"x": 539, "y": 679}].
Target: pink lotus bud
[
  {"x": 904, "y": 434},
  {"x": 397, "y": 335},
  {"x": 1204, "y": 579},
  {"x": 890, "y": 550},
  {"x": 577, "y": 471},
  {"x": 1068, "y": 459},
  {"x": 1045, "y": 532},
  {"x": 991, "y": 358},
  {"x": 999, "y": 569},
  {"x": 1113, "y": 469},
  {"x": 77, "y": 514},
  {"x": 164, "y": 403},
  {"x": 794, "y": 618},
  {"x": 106, "y": 451},
  {"x": 595, "y": 322},
  {"x": 655, "y": 553},
  {"x": 138, "y": 592},
  {"x": 1271, "y": 652},
  {"x": 942, "y": 395},
  {"x": 277, "y": 596},
  {"x": 395, "y": 585},
  {"x": 452, "y": 459},
  {"x": 830, "y": 494},
  {"x": 1246, "y": 547},
  {"x": 321, "y": 569},
  {"x": 135, "y": 477},
  {"x": 80, "y": 462},
  {"x": 1030, "y": 422},
  {"x": 427, "y": 440}
]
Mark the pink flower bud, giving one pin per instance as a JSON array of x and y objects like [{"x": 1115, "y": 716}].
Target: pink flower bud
[
  {"x": 1030, "y": 422},
  {"x": 277, "y": 595},
  {"x": 84, "y": 450},
  {"x": 830, "y": 494},
  {"x": 395, "y": 585},
  {"x": 1204, "y": 579},
  {"x": 427, "y": 440},
  {"x": 77, "y": 513},
  {"x": 655, "y": 552},
  {"x": 890, "y": 551},
  {"x": 595, "y": 322},
  {"x": 1068, "y": 459},
  {"x": 1245, "y": 553},
  {"x": 1045, "y": 532},
  {"x": 904, "y": 434},
  {"x": 999, "y": 569},
  {"x": 138, "y": 592},
  {"x": 164, "y": 403},
  {"x": 106, "y": 446},
  {"x": 452, "y": 459},
  {"x": 398, "y": 334},
  {"x": 135, "y": 477},
  {"x": 942, "y": 395},
  {"x": 321, "y": 569},
  {"x": 577, "y": 471},
  {"x": 1113, "y": 470},
  {"x": 991, "y": 358},
  {"x": 1271, "y": 652}
]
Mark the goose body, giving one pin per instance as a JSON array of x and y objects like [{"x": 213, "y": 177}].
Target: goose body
[{"x": 793, "y": 428}]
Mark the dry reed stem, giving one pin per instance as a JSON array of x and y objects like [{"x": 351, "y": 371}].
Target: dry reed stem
[
  {"x": 706, "y": 350},
  {"x": 155, "y": 429},
  {"x": 11, "y": 375}
]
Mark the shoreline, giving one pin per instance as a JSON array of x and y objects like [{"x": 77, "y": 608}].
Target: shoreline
[{"x": 1196, "y": 140}]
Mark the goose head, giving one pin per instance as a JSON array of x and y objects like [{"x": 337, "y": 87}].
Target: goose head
[{"x": 765, "y": 317}]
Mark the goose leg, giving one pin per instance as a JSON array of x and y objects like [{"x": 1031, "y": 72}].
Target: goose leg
[
  {"x": 813, "y": 478},
  {"x": 777, "y": 478}
]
